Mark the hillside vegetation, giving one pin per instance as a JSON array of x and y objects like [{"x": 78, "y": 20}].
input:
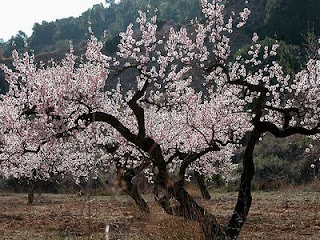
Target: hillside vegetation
[{"x": 286, "y": 20}]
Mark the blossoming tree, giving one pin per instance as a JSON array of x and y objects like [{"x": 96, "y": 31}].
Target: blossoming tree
[{"x": 68, "y": 111}]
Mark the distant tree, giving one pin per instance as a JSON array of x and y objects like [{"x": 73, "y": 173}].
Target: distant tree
[
  {"x": 281, "y": 14},
  {"x": 3, "y": 83},
  {"x": 70, "y": 29},
  {"x": 110, "y": 2},
  {"x": 43, "y": 35},
  {"x": 18, "y": 42}
]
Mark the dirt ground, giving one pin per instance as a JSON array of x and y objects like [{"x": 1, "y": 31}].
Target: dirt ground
[{"x": 274, "y": 215}]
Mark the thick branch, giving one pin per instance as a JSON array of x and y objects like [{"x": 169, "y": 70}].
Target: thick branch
[
  {"x": 114, "y": 122},
  {"x": 193, "y": 157},
  {"x": 282, "y": 133},
  {"x": 251, "y": 87},
  {"x": 119, "y": 71},
  {"x": 146, "y": 144},
  {"x": 177, "y": 154},
  {"x": 287, "y": 112},
  {"x": 139, "y": 111}
]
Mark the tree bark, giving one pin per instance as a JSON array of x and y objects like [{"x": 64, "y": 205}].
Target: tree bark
[
  {"x": 132, "y": 191},
  {"x": 31, "y": 190},
  {"x": 243, "y": 204},
  {"x": 189, "y": 209},
  {"x": 212, "y": 229},
  {"x": 202, "y": 186}
]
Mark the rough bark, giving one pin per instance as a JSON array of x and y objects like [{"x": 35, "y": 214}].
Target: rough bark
[
  {"x": 243, "y": 204},
  {"x": 132, "y": 191},
  {"x": 202, "y": 186},
  {"x": 188, "y": 208}
]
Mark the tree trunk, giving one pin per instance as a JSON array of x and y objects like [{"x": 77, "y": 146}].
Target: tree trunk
[
  {"x": 88, "y": 186},
  {"x": 243, "y": 204},
  {"x": 31, "y": 189},
  {"x": 132, "y": 191},
  {"x": 189, "y": 209},
  {"x": 203, "y": 188}
]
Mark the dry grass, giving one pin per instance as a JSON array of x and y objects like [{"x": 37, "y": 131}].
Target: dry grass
[{"x": 293, "y": 214}]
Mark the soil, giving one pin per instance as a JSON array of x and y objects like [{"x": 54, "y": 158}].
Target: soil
[{"x": 273, "y": 215}]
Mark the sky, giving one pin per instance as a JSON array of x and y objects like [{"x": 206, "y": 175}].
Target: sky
[{"x": 18, "y": 15}]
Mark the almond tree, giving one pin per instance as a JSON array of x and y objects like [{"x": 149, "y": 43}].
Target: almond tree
[{"x": 165, "y": 121}]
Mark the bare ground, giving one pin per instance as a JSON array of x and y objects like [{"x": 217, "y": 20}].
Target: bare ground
[{"x": 289, "y": 214}]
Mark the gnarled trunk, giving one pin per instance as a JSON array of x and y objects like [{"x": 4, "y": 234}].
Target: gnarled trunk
[
  {"x": 243, "y": 204},
  {"x": 189, "y": 209},
  {"x": 132, "y": 191},
  {"x": 212, "y": 229}
]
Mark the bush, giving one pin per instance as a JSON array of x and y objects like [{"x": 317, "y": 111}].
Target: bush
[{"x": 281, "y": 163}]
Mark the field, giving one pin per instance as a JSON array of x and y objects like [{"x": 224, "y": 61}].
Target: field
[{"x": 290, "y": 214}]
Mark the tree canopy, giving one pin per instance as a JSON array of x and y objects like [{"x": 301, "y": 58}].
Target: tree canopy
[{"x": 62, "y": 117}]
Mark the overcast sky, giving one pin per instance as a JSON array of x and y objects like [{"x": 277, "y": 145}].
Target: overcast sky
[{"x": 18, "y": 15}]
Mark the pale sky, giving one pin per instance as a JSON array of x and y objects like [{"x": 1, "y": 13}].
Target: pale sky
[{"x": 18, "y": 15}]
